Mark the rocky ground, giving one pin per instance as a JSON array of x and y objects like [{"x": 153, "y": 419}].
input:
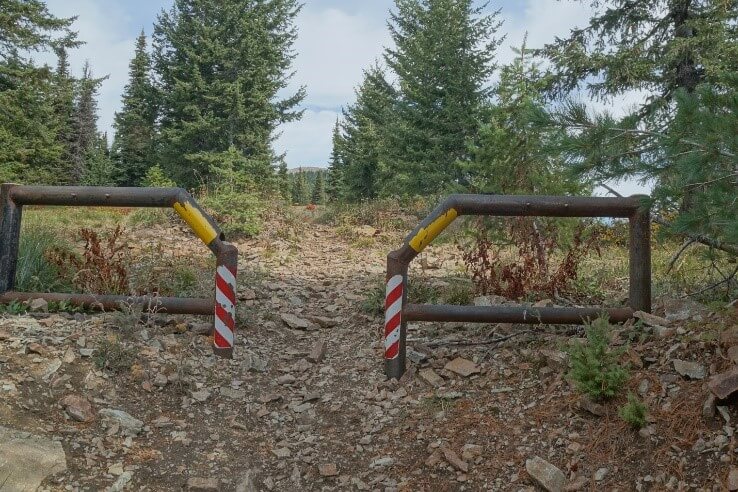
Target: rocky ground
[{"x": 304, "y": 404}]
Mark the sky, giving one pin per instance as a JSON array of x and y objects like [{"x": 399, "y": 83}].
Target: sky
[{"x": 337, "y": 40}]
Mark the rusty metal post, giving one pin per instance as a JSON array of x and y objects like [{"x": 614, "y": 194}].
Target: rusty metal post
[
  {"x": 395, "y": 326},
  {"x": 10, "y": 223},
  {"x": 639, "y": 296},
  {"x": 224, "y": 321}
]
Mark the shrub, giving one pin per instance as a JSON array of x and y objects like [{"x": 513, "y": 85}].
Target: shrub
[
  {"x": 594, "y": 366},
  {"x": 113, "y": 356},
  {"x": 101, "y": 269},
  {"x": 634, "y": 412},
  {"x": 532, "y": 268}
]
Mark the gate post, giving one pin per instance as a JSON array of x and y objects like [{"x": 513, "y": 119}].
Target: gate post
[
  {"x": 395, "y": 326},
  {"x": 224, "y": 321},
  {"x": 10, "y": 222},
  {"x": 639, "y": 297}
]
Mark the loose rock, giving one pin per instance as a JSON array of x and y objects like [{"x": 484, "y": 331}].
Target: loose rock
[
  {"x": 462, "y": 367},
  {"x": 689, "y": 369},
  {"x": 78, "y": 408},
  {"x": 545, "y": 474}
]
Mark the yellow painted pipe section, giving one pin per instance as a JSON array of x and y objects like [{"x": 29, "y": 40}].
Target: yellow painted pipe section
[
  {"x": 427, "y": 234},
  {"x": 197, "y": 221}
]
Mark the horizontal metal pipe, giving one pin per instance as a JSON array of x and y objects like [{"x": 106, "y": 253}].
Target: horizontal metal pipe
[
  {"x": 95, "y": 196},
  {"x": 169, "y": 305},
  {"x": 547, "y": 206},
  {"x": 511, "y": 314}
]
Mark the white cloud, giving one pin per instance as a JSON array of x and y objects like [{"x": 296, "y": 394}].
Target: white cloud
[
  {"x": 308, "y": 142},
  {"x": 333, "y": 49}
]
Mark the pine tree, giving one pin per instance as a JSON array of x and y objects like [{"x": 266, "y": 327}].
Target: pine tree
[
  {"x": 318, "y": 195},
  {"x": 334, "y": 186},
  {"x": 84, "y": 130},
  {"x": 29, "y": 125},
  {"x": 222, "y": 66},
  {"x": 364, "y": 146},
  {"x": 299, "y": 188},
  {"x": 443, "y": 59},
  {"x": 669, "y": 49},
  {"x": 99, "y": 170},
  {"x": 134, "y": 124}
]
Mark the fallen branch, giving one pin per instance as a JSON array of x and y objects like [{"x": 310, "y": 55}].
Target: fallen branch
[
  {"x": 731, "y": 249},
  {"x": 493, "y": 341}
]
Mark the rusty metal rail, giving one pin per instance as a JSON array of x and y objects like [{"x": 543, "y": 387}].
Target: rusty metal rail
[
  {"x": 398, "y": 312},
  {"x": 222, "y": 305}
]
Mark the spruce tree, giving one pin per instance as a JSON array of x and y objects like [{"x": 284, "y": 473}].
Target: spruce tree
[
  {"x": 84, "y": 129},
  {"x": 222, "y": 68},
  {"x": 334, "y": 185},
  {"x": 63, "y": 91},
  {"x": 99, "y": 170},
  {"x": 283, "y": 180},
  {"x": 134, "y": 124},
  {"x": 443, "y": 58},
  {"x": 318, "y": 195},
  {"x": 299, "y": 188},
  {"x": 29, "y": 126},
  {"x": 365, "y": 141}
]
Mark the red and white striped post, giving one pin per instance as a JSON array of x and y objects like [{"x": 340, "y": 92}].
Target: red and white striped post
[
  {"x": 224, "y": 329},
  {"x": 394, "y": 324}
]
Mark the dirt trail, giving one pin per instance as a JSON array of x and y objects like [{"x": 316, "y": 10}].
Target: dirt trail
[{"x": 289, "y": 413}]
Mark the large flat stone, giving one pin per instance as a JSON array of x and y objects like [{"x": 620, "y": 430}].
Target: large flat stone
[
  {"x": 725, "y": 384},
  {"x": 26, "y": 460}
]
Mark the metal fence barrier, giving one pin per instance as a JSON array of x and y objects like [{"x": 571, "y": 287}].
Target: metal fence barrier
[
  {"x": 223, "y": 305},
  {"x": 398, "y": 312}
]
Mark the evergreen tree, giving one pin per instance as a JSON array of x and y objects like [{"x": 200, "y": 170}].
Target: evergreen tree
[
  {"x": 443, "y": 59},
  {"x": 318, "y": 195},
  {"x": 63, "y": 90},
  {"x": 364, "y": 145},
  {"x": 134, "y": 124},
  {"x": 222, "y": 66},
  {"x": 510, "y": 157},
  {"x": 667, "y": 49},
  {"x": 84, "y": 130},
  {"x": 99, "y": 170},
  {"x": 283, "y": 180},
  {"x": 299, "y": 188},
  {"x": 334, "y": 185},
  {"x": 29, "y": 126}
]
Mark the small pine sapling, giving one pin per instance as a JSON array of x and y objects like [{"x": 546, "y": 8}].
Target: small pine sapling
[
  {"x": 594, "y": 366},
  {"x": 634, "y": 412}
]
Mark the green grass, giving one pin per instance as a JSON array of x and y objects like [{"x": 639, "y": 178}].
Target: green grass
[{"x": 34, "y": 273}]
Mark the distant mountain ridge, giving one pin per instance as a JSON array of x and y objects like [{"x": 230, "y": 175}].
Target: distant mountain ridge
[{"x": 306, "y": 169}]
